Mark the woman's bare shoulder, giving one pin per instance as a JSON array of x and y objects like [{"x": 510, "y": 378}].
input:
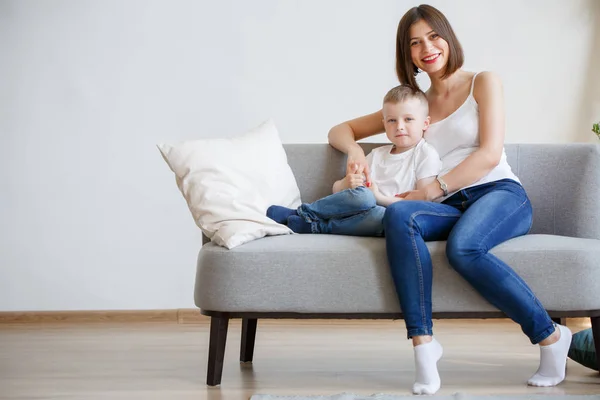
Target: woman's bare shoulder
[
  {"x": 486, "y": 78},
  {"x": 487, "y": 83}
]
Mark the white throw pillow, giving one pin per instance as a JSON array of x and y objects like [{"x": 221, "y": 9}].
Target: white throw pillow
[{"x": 229, "y": 183}]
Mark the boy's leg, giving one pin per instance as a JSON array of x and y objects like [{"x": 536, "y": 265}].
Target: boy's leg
[
  {"x": 339, "y": 205},
  {"x": 366, "y": 223}
]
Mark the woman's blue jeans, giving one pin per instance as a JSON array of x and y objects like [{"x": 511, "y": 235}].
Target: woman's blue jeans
[
  {"x": 349, "y": 212},
  {"x": 473, "y": 221}
]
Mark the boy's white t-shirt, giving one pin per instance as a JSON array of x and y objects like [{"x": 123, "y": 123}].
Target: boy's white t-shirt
[{"x": 397, "y": 173}]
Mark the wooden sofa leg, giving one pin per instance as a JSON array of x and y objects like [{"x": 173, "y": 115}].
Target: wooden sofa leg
[
  {"x": 216, "y": 349},
  {"x": 596, "y": 333},
  {"x": 248, "y": 337}
]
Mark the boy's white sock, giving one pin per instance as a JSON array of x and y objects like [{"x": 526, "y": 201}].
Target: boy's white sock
[
  {"x": 426, "y": 357},
  {"x": 553, "y": 359}
]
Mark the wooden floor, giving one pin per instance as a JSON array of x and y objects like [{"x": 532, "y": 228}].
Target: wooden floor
[{"x": 168, "y": 360}]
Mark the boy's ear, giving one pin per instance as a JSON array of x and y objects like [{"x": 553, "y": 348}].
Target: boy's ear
[{"x": 426, "y": 123}]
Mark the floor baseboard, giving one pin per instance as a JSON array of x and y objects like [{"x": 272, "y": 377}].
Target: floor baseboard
[{"x": 177, "y": 316}]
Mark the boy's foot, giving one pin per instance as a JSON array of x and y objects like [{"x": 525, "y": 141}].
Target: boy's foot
[
  {"x": 280, "y": 214},
  {"x": 298, "y": 224}
]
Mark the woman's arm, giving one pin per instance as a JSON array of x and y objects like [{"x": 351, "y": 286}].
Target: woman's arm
[
  {"x": 422, "y": 183},
  {"x": 345, "y": 135},
  {"x": 490, "y": 100}
]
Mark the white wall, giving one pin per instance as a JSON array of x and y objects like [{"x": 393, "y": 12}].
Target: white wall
[{"x": 90, "y": 217}]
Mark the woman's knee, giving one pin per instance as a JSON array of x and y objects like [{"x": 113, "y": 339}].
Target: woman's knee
[{"x": 461, "y": 250}]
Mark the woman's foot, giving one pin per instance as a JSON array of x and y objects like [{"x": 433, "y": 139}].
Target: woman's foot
[
  {"x": 553, "y": 359},
  {"x": 280, "y": 214},
  {"x": 426, "y": 357}
]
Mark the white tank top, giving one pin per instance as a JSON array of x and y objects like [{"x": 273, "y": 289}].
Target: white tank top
[{"x": 457, "y": 136}]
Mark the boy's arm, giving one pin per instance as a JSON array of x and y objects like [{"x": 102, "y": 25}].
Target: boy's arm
[
  {"x": 386, "y": 201},
  {"x": 381, "y": 199}
]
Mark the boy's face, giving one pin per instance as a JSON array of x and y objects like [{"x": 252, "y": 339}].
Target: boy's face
[{"x": 405, "y": 123}]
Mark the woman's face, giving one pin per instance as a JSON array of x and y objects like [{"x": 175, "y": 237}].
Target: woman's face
[{"x": 428, "y": 50}]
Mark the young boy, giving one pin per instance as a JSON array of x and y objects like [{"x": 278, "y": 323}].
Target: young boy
[{"x": 408, "y": 163}]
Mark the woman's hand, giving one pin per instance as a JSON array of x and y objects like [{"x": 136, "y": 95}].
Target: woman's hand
[
  {"x": 427, "y": 190},
  {"x": 414, "y": 195}
]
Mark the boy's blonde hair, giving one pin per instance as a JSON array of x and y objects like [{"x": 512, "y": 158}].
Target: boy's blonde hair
[{"x": 401, "y": 93}]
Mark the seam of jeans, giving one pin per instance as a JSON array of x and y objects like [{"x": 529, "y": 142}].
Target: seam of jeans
[
  {"x": 499, "y": 223},
  {"x": 500, "y": 264},
  {"x": 416, "y": 252},
  {"x": 419, "y": 271},
  {"x": 509, "y": 270}
]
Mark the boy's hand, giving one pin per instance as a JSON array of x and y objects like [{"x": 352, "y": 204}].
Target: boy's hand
[
  {"x": 354, "y": 180},
  {"x": 358, "y": 162},
  {"x": 355, "y": 177}
]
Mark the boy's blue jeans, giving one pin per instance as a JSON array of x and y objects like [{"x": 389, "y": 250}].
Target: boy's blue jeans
[
  {"x": 473, "y": 221},
  {"x": 349, "y": 212}
]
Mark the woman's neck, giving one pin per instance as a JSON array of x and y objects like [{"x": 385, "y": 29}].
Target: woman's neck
[{"x": 442, "y": 87}]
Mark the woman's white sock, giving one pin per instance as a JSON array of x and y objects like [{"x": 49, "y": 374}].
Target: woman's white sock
[
  {"x": 426, "y": 357},
  {"x": 553, "y": 359}
]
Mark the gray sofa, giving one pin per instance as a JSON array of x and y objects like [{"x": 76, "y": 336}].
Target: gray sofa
[{"x": 327, "y": 276}]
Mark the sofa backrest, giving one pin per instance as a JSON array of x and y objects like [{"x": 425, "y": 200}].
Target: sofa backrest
[{"x": 562, "y": 181}]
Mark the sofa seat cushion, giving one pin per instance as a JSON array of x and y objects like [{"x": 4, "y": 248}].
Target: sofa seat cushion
[{"x": 346, "y": 274}]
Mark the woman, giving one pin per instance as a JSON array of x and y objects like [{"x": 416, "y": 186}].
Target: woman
[{"x": 475, "y": 204}]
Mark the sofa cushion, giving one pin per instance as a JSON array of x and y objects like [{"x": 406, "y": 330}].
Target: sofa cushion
[
  {"x": 229, "y": 183},
  {"x": 345, "y": 274}
]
